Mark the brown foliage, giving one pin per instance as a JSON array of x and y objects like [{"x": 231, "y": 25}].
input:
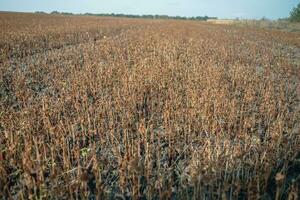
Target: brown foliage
[{"x": 123, "y": 108}]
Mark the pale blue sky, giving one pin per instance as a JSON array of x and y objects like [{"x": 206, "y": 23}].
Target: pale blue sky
[{"x": 272, "y": 9}]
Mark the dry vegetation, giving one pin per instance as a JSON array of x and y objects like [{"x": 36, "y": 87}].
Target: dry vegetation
[
  {"x": 283, "y": 25},
  {"x": 103, "y": 108},
  {"x": 269, "y": 24}
]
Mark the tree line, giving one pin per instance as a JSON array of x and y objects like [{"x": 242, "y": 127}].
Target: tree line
[{"x": 202, "y": 18}]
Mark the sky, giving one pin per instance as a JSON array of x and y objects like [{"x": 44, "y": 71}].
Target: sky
[{"x": 244, "y": 9}]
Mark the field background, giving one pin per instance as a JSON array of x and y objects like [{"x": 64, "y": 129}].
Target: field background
[
  {"x": 283, "y": 24},
  {"x": 99, "y": 107}
]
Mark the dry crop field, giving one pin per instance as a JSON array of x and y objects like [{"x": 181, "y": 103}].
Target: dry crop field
[{"x": 113, "y": 108}]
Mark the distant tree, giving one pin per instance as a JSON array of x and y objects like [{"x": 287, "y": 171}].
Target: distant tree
[
  {"x": 264, "y": 19},
  {"x": 66, "y": 13},
  {"x": 40, "y": 12},
  {"x": 295, "y": 14},
  {"x": 200, "y": 18},
  {"x": 55, "y": 13}
]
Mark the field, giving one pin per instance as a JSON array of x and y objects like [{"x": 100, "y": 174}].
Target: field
[
  {"x": 283, "y": 25},
  {"x": 116, "y": 108}
]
